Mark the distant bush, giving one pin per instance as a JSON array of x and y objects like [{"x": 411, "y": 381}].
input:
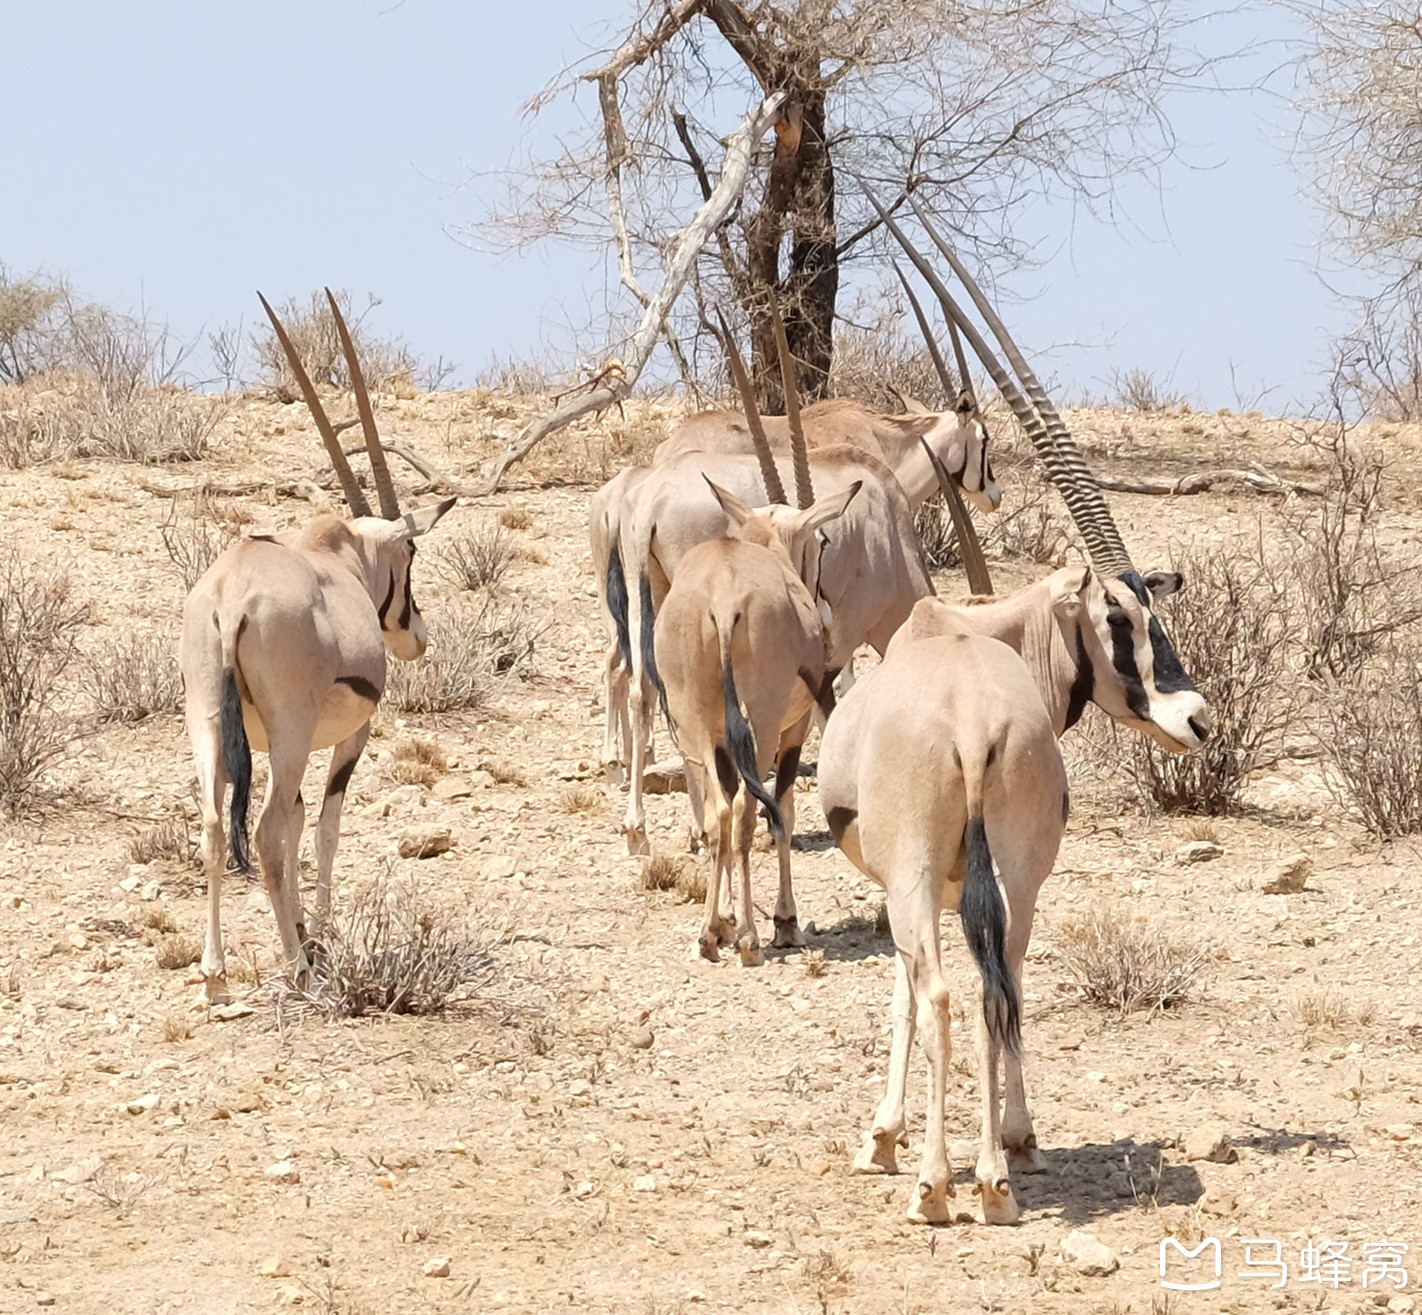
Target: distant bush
[{"x": 132, "y": 675}]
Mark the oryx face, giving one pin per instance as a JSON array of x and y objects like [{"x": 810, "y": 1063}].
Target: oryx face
[
  {"x": 401, "y": 625},
  {"x": 1127, "y": 664},
  {"x": 960, "y": 440}
]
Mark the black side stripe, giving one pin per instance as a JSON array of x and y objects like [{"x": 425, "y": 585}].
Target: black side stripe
[{"x": 361, "y": 687}]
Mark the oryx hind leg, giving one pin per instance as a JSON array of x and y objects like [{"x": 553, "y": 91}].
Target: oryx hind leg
[
  {"x": 716, "y": 929},
  {"x": 206, "y": 736},
  {"x": 743, "y": 819},
  {"x": 344, "y": 758},
  {"x": 879, "y": 1153},
  {"x": 275, "y": 851},
  {"x": 617, "y": 731},
  {"x": 787, "y": 919}
]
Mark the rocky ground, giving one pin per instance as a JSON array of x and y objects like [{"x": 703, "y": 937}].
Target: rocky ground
[{"x": 610, "y": 1123}]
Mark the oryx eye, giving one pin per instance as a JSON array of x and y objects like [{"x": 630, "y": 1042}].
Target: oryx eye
[{"x": 1118, "y": 619}]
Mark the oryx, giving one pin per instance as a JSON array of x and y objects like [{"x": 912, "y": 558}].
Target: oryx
[
  {"x": 741, "y": 649},
  {"x": 283, "y": 649},
  {"x": 929, "y": 773}
]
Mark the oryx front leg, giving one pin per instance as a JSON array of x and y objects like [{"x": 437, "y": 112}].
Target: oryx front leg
[
  {"x": 743, "y": 809},
  {"x": 879, "y": 1154},
  {"x": 277, "y": 855},
  {"x": 787, "y": 919},
  {"x": 617, "y": 732},
  {"x": 212, "y": 782},
  {"x": 328, "y": 829}
]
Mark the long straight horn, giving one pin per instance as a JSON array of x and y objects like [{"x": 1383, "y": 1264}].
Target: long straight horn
[
  {"x": 975, "y": 565},
  {"x": 769, "y": 473},
  {"x": 1077, "y": 470},
  {"x": 939, "y": 365},
  {"x": 355, "y": 499},
  {"x": 961, "y": 356},
  {"x": 379, "y": 467},
  {"x": 800, "y": 457}
]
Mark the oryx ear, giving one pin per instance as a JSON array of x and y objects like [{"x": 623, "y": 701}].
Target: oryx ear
[
  {"x": 1164, "y": 583},
  {"x": 911, "y": 405},
  {"x": 1066, "y": 596},
  {"x": 828, "y": 509},
  {"x": 965, "y": 406},
  {"x": 737, "y": 510},
  {"x": 420, "y": 521}
]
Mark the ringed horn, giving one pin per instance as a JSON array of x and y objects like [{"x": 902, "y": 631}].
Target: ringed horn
[
  {"x": 1060, "y": 455},
  {"x": 379, "y": 468}
]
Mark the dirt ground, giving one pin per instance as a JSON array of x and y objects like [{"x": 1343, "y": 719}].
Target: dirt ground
[{"x": 278, "y": 1159}]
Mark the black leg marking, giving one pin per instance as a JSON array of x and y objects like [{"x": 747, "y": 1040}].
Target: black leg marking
[{"x": 341, "y": 777}]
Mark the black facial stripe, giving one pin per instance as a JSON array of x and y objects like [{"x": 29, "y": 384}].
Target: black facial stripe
[
  {"x": 1123, "y": 659},
  {"x": 389, "y": 598},
  {"x": 1083, "y": 685},
  {"x": 1132, "y": 580},
  {"x": 1170, "y": 676},
  {"x": 408, "y": 608}
]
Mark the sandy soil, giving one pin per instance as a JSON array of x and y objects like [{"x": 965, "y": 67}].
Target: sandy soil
[{"x": 524, "y": 1136}]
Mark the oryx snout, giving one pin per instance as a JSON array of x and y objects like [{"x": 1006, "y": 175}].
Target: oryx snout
[{"x": 408, "y": 643}]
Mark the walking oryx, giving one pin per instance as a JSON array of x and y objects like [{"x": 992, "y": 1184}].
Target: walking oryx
[
  {"x": 740, "y": 629},
  {"x": 929, "y": 773},
  {"x": 283, "y": 648}
]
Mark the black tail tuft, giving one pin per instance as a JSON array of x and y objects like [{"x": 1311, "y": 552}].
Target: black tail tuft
[
  {"x": 985, "y": 928},
  {"x": 649, "y": 653},
  {"x": 742, "y": 746},
  {"x": 617, "y": 604},
  {"x": 237, "y": 759}
]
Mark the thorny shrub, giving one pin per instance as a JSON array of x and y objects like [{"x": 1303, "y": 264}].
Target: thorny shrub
[
  {"x": 131, "y": 676},
  {"x": 39, "y": 629},
  {"x": 390, "y": 951},
  {"x": 195, "y": 533},
  {"x": 1127, "y": 963},
  {"x": 1233, "y": 625},
  {"x": 478, "y": 558}
]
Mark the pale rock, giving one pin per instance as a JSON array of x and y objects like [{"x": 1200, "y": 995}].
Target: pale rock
[
  {"x": 499, "y": 867},
  {"x": 425, "y": 841},
  {"x": 1402, "y": 1305},
  {"x": 644, "y": 1183},
  {"x": 1210, "y": 1142},
  {"x": 283, "y": 1171},
  {"x": 438, "y": 1267},
  {"x": 642, "y": 1038},
  {"x": 1289, "y": 875},
  {"x": 1088, "y": 1254},
  {"x": 274, "y": 1267},
  {"x": 1220, "y": 1202},
  {"x": 81, "y": 1171},
  {"x": 226, "y": 1013},
  {"x": 130, "y": 884},
  {"x": 584, "y": 1190},
  {"x": 482, "y": 780},
  {"x": 143, "y": 1104},
  {"x": 757, "y": 1240},
  {"x": 452, "y": 787},
  {"x": 290, "y": 1295},
  {"x": 43, "y": 1298},
  {"x": 150, "y": 892},
  {"x": 664, "y": 778},
  {"x": 1399, "y": 1131},
  {"x": 1197, "y": 851}
]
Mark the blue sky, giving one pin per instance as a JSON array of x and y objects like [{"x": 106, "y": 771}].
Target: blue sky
[{"x": 178, "y": 156}]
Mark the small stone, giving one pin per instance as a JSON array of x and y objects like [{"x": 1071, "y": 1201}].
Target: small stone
[
  {"x": 283, "y": 1171},
  {"x": 1094, "y": 1075},
  {"x": 81, "y": 1171},
  {"x": 580, "y": 1087},
  {"x": 290, "y": 1295},
  {"x": 584, "y": 1190},
  {"x": 499, "y": 867},
  {"x": 1197, "y": 851},
  {"x": 150, "y": 892},
  {"x": 757, "y": 1240},
  {"x": 642, "y": 1038},
  {"x": 644, "y": 1183},
  {"x": 226, "y": 1013},
  {"x": 386, "y": 1181},
  {"x": 1209, "y": 1143},
  {"x": 143, "y": 1104},
  {"x": 1088, "y": 1254},
  {"x": 425, "y": 841},
  {"x": 274, "y": 1267},
  {"x": 1399, "y": 1131},
  {"x": 664, "y": 778},
  {"x": 1403, "y": 1305},
  {"x": 44, "y": 1298},
  {"x": 130, "y": 884},
  {"x": 1289, "y": 875},
  {"x": 452, "y": 787},
  {"x": 437, "y": 1268},
  {"x": 8, "y": 1217},
  {"x": 1220, "y": 1202}
]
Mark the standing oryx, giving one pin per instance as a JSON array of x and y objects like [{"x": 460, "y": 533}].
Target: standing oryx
[
  {"x": 283, "y": 648},
  {"x": 945, "y": 760},
  {"x": 741, "y": 648}
]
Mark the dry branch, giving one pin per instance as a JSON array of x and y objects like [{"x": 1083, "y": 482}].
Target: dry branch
[
  {"x": 735, "y": 170},
  {"x": 1256, "y": 477}
]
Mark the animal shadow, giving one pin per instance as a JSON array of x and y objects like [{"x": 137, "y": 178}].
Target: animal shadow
[{"x": 1088, "y": 1182}]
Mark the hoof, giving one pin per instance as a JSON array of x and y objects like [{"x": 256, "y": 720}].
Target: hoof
[
  {"x": 999, "y": 1205},
  {"x": 214, "y": 989},
  {"x": 637, "y": 846},
  {"x": 787, "y": 934},
  {"x": 749, "y": 950},
  {"x": 710, "y": 946},
  {"x": 877, "y": 1155},
  {"x": 930, "y": 1204},
  {"x": 1026, "y": 1159},
  {"x": 613, "y": 775}
]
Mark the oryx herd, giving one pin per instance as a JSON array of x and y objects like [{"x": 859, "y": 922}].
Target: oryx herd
[{"x": 938, "y": 769}]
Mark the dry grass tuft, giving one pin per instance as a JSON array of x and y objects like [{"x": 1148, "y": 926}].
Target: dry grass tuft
[
  {"x": 177, "y": 951},
  {"x": 478, "y": 558},
  {"x": 194, "y": 535},
  {"x": 118, "y": 1190},
  {"x": 158, "y": 920},
  {"x": 1123, "y": 962},
  {"x": 1201, "y": 828},
  {"x": 392, "y": 952},
  {"x": 676, "y": 873},
  {"x": 515, "y": 517},
  {"x": 174, "y": 1029},
  {"x": 581, "y": 798},
  {"x": 813, "y": 962},
  {"x": 471, "y": 645},
  {"x": 165, "y": 840},
  {"x": 131, "y": 676},
  {"x": 1331, "y": 1009},
  {"x": 828, "y": 1274},
  {"x": 504, "y": 772},
  {"x": 417, "y": 762}
]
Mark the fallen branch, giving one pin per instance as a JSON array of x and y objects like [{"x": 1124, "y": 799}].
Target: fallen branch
[
  {"x": 436, "y": 477},
  {"x": 1256, "y": 477},
  {"x": 735, "y": 170}
]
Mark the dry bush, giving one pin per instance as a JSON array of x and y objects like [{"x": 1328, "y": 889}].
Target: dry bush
[
  {"x": 677, "y": 873},
  {"x": 195, "y": 533},
  {"x": 79, "y": 415},
  {"x": 1372, "y": 734},
  {"x": 504, "y": 772},
  {"x": 390, "y": 951},
  {"x": 177, "y": 950},
  {"x": 515, "y": 517},
  {"x": 31, "y": 316},
  {"x": 813, "y": 961},
  {"x": 128, "y": 677},
  {"x": 577, "y": 798},
  {"x": 478, "y": 558},
  {"x": 168, "y": 839},
  {"x": 39, "y": 629},
  {"x": 1233, "y": 625},
  {"x": 174, "y": 1029},
  {"x": 472, "y": 643},
  {"x": 1331, "y": 1009},
  {"x": 1140, "y": 390},
  {"x": 417, "y": 762},
  {"x": 877, "y": 364},
  {"x": 118, "y": 1190},
  {"x": 1123, "y": 962},
  {"x": 387, "y": 363},
  {"x": 1351, "y": 596}
]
